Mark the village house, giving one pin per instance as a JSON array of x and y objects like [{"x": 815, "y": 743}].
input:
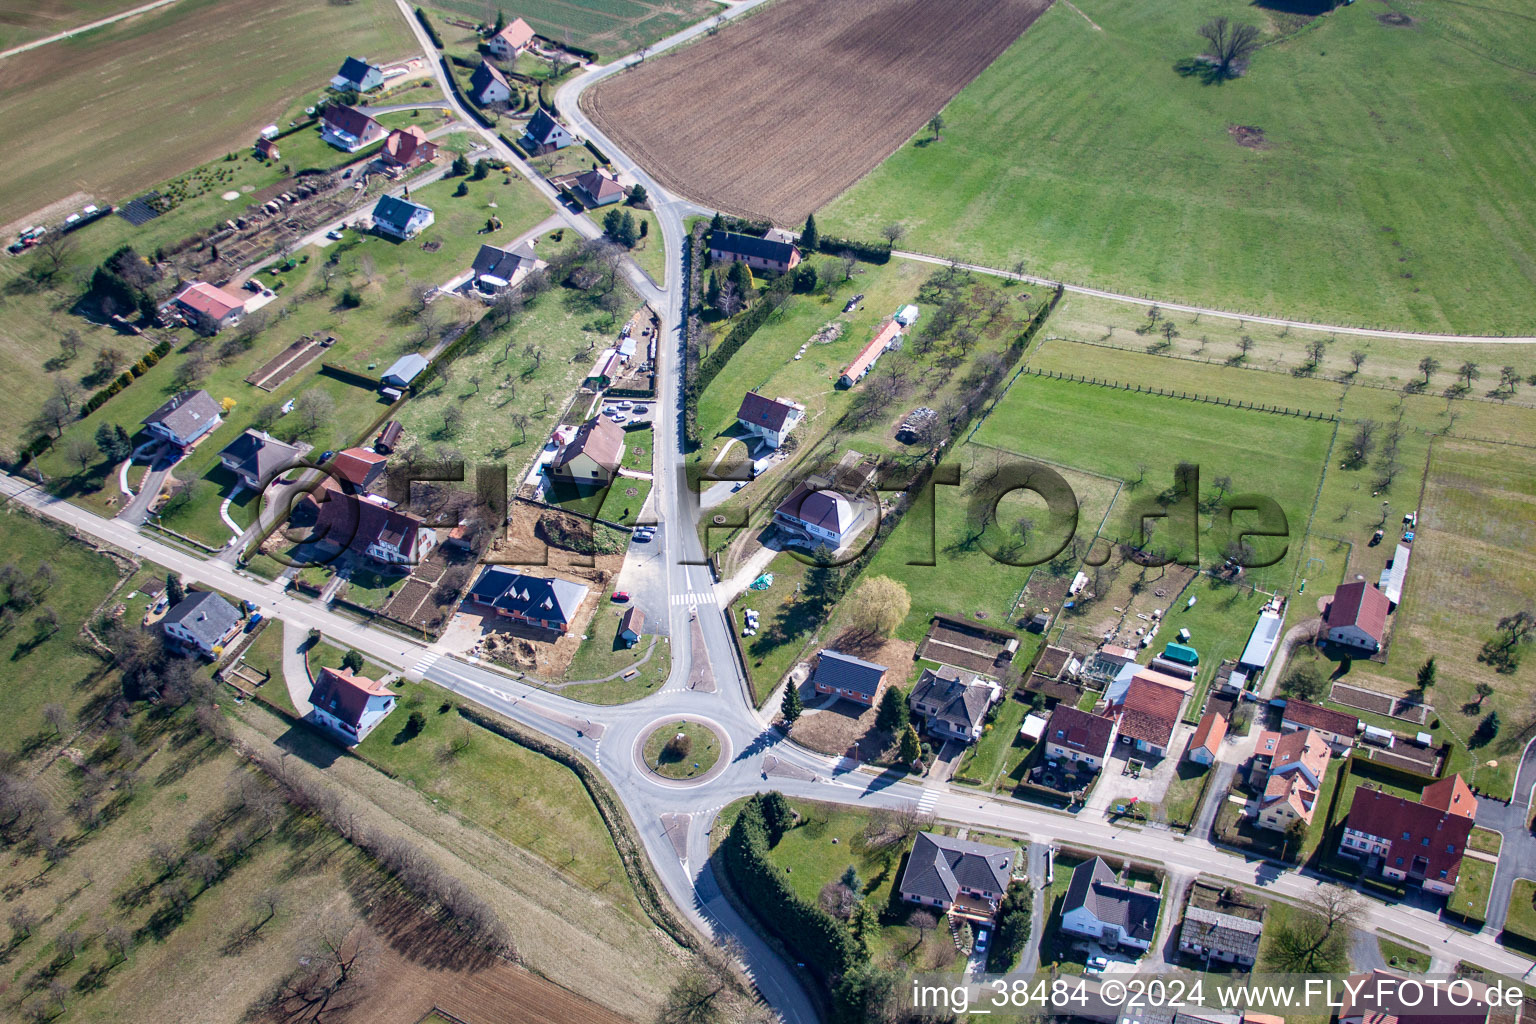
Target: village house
[
  {"x": 631, "y": 626},
  {"x": 350, "y": 706},
  {"x": 495, "y": 269},
  {"x": 349, "y": 129},
  {"x": 953, "y": 703},
  {"x": 545, "y": 602},
  {"x": 545, "y": 135},
  {"x": 842, "y": 675},
  {"x": 1148, "y": 712},
  {"x": 488, "y": 85},
  {"x": 512, "y": 40},
  {"x": 266, "y": 149},
  {"x": 357, "y": 76},
  {"x": 1357, "y": 617},
  {"x": 1205, "y": 744},
  {"x": 202, "y": 622},
  {"x": 256, "y": 457},
  {"x": 368, "y": 526},
  {"x": 819, "y": 518},
  {"x": 407, "y": 148},
  {"x": 185, "y": 417},
  {"x": 771, "y": 419},
  {"x": 886, "y": 338},
  {"x": 593, "y": 456},
  {"x": 956, "y": 876},
  {"x": 1420, "y": 841},
  {"x": 359, "y": 467},
  {"x": 595, "y": 188},
  {"x": 208, "y": 308},
  {"x": 1375, "y": 998},
  {"x": 757, "y": 253},
  {"x": 1288, "y": 770},
  {"x": 1218, "y": 937},
  {"x": 1079, "y": 736},
  {"x": 1335, "y": 727},
  {"x": 1098, "y": 907},
  {"x": 401, "y": 218}
]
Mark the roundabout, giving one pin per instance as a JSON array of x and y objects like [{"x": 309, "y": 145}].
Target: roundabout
[{"x": 682, "y": 751}]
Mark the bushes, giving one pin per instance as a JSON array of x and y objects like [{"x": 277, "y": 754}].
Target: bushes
[
  {"x": 596, "y": 153},
  {"x": 426, "y": 23},
  {"x": 815, "y": 936},
  {"x": 1013, "y": 920},
  {"x": 869, "y": 252}
]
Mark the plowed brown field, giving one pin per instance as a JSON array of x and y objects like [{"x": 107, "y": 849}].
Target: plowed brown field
[{"x": 779, "y": 113}]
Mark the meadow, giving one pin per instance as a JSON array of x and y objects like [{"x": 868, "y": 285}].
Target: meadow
[
  {"x": 1387, "y": 188},
  {"x": 610, "y": 27},
  {"x": 95, "y": 114}
]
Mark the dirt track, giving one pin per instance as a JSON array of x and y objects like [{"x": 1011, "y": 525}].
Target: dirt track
[{"x": 776, "y": 115}]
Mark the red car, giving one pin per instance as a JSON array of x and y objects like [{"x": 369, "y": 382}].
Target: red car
[{"x": 620, "y": 596}]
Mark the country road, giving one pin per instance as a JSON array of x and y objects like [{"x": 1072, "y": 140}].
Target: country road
[{"x": 68, "y": 33}]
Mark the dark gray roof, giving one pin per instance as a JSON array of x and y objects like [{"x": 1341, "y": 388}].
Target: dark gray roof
[
  {"x": 846, "y": 672},
  {"x": 484, "y": 75},
  {"x": 962, "y": 701},
  {"x": 185, "y": 414},
  {"x": 750, "y": 245},
  {"x": 764, "y": 412},
  {"x": 396, "y": 211},
  {"x": 260, "y": 454},
  {"x": 541, "y": 127},
  {"x": 534, "y": 596},
  {"x": 1212, "y": 929},
  {"x": 355, "y": 71},
  {"x": 939, "y": 866},
  {"x": 205, "y": 615},
  {"x": 1095, "y": 886},
  {"x": 502, "y": 263}
]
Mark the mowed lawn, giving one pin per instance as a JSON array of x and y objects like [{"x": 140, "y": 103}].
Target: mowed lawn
[
  {"x": 132, "y": 104},
  {"x": 1391, "y": 186}
]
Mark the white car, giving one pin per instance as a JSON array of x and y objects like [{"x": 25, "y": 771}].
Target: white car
[
  {"x": 618, "y": 417},
  {"x": 1096, "y": 965},
  {"x": 625, "y": 405},
  {"x": 334, "y": 234}
]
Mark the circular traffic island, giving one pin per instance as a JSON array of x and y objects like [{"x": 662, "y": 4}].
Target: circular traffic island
[{"x": 682, "y": 750}]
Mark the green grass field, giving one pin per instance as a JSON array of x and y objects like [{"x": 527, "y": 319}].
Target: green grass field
[
  {"x": 602, "y": 654},
  {"x": 1474, "y": 884},
  {"x": 611, "y": 27},
  {"x": 95, "y": 113},
  {"x": 1387, "y": 189}
]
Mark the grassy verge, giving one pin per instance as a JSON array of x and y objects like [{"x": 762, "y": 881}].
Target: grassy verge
[
  {"x": 1474, "y": 884},
  {"x": 686, "y": 750}
]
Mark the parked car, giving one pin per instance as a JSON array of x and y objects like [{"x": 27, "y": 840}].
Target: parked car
[
  {"x": 982, "y": 935},
  {"x": 626, "y": 406},
  {"x": 1096, "y": 965},
  {"x": 334, "y": 234},
  {"x": 641, "y": 410},
  {"x": 618, "y": 417},
  {"x": 620, "y": 597},
  {"x": 326, "y": 456}
]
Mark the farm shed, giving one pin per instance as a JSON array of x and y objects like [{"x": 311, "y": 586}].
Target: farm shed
[
  {"x": 1261, "y": 642},
  {"x": 1181, "y": 653}
]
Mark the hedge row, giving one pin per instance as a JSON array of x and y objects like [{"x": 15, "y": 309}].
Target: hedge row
[
  {"x": 125, "y": 378},
  {"x": 869, "y": 252},
  {"x": 426, "y": 23},
  {"x": 591, "y": 148},
  {"x": 815, "y": 936}
]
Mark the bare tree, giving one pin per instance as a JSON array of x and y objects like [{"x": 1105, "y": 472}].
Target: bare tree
[
  {"x": 893, "y": 232},
  {"x": 1468, "y": 372},
  {"x": 1428, "y": 366},
  {"x": 313, "y": 408},
  {"x": 82, "y": 452},
  {"x": 54, "y": 253},
  {"x": 1357, "y": 359},
  {"x": 1231, "y": 45},
  {"x": 56, "y": 717},
  {"x": 330, "y": 980},
  {"x": 117, "y": 940}
]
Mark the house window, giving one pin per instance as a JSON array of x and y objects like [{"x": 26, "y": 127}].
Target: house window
[
  {"x": 1399, "y": 862},
  {"x": 1407, "y": 836},
  {"x": 1442, "y": 872},
  {"x": 1424, "y": 841},
  {"x": 1450, "y": 848}
]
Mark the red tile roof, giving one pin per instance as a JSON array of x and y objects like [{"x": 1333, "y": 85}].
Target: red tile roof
[
  {"x": 1078, "y": 730},
  {"x": 356, "y": 466},
  {"x": 1451, "y": 795},
  {"x": 212, "y": 302},
  {"x": 345, "y": 695},
  {"x": 1374, "y": 999},
  {"x": 517, "y": 35},
  {"x": 409, "y": 145},
  {"x": 601, "y": 439},
  {"x": 1149, "y": 711},
  {"x": 1362, "y": 605},
  {"x": 354, "y": 522},
  {"x": 1315, "y": 716},
  {"x": 1392, "y": 818},
  {"x": 883, "y": 337},
  {"x": 1303, "y": 747},
  {"x": 1209, "y": 734}
]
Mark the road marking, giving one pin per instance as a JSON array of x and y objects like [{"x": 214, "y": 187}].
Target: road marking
[
  {"x": 706, "y": 597},
  {"x": 929, "y": 799}
]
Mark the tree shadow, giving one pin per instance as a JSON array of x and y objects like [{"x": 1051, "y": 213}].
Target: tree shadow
[{"x": 1203, "y": 71}]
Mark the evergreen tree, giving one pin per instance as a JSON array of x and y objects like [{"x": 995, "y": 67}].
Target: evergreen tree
[
  {"x": 864, "y": 923},
  {"x": 113, "y": 443},
  {"x": 174, "y": 591},
  {"x": 717, "y": 223},
  {"x": 628, "y": 235},
  {"x": 792, "y": 705},
  {"x": 741, "y": 276},
  {"x": 911, "y": 747},
  {"x": 1427, "y": 674},
  {"x": 460, "y": 165},
  {"x": 852, "y": 880},
  {"x": 637, "y": 196},
  {"x": 777, "y": 815},
  {"x": 611, "y": 223},
  {"x": 712, "y": 293},
  {"x": 892, "y": 716},
  {"x": 809, "y": 236},
  {"x": 805, "y": 278},
  {"x": 501, "y": 21},
  {"x": 352, "y": 660}
]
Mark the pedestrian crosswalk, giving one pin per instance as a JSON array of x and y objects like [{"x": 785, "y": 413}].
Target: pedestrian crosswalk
[
  {"x": 929, "y": 799},
  {"x": 426, "y": 661},
  {"x": 701, "y": 598}
]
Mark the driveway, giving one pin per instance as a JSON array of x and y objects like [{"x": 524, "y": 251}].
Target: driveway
[
  {"x": 1215, "y": 797},
  {"x": 161, "y": 461},
  {"x": 1517, "y": 857}
]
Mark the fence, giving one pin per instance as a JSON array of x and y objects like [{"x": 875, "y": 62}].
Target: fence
[{"x": 1147, "y": 389}]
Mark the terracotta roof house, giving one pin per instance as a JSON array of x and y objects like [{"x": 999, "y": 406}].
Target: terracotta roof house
[
  {"x": 953, "y": 703},
  {"x": 843, "y": 675},
  {"x": 1421, "y": 841},
  {"x": 256, "y": 457},
  {"x": 772, "y": 419},
  {"x": 1357, "y": 617},
  {"x": 208, "y": 308},
  {"x": 1205, "y": 744},
  {"x": 185, "y": 417},
  {"x": 365, "y": 525},
  {"x": 1289, "y": 769},
  {"x": 349, "y": 129},
  {"x": 1075, "y": 735},
  {"x": 1336, "y": 727},
  {"x": 408, "y": 147},
  {"x": 511, "y": 41},
  {"x": 593, "y": 456},
  {"x": 1148, "y": 713},
  {"x": 350, "y": 706},
  {"x": 956, "y": 875},
  {"x": 631, "y": 626},
  {"x": 597, "y": 189},
  {"x": 1374, "y": 999},
  {"x": 357, "y": 76},
  {"x": 488, "y": 85},
  {"x": 819, "y": 518},
  {"x": 1098, "y": 907},
  {"x": 1219, "y": 937},
  {"x": 887, "y": 337},
  {"x": 401, "y": 218},
  {"x": 266, "y": 149},
  {"x": 203, "y": 622},
  {"x": 359, "y": 467},
  {"x": 545, "y": 602},
  {"x": 545, "y": 135},
  {"x": 757, "y": 253},
  {"x": 497, "y": 269}
]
